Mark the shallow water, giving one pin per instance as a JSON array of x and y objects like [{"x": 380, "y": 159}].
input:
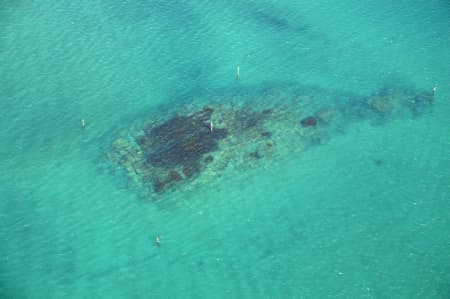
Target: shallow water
[{"x": 363, "y": 215}]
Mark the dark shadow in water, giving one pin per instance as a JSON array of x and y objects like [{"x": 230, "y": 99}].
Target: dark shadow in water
[
  {"x": 10, "y": 290},
  {"x": 378, "y": 162},
  {"x": 271, "y": 20}
]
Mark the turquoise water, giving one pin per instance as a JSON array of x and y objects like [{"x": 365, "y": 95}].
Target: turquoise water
[{"x": 364, "y": 215}]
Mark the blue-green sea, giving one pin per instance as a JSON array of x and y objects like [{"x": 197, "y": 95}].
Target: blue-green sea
[{"x": 364, "y": 214}]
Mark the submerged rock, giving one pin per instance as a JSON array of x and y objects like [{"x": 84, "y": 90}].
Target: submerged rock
[
  {"x": 383, "y": 104},
  {"x": 267, "y": 111},
  {"x": 172, "y": 177},
  {"x": 309, "y": 121},
  {"x": 209, "y": 159},
  {"x": 189, "y": 170},
  {"x": 181, "y": 140},
  {"x": 255, "y": 155},
  {"x": 266, "y": 134},
  {"x": 183, "y": 149}
]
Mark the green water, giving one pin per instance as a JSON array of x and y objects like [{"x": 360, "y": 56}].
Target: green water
[{"x": 329, "y": 222}]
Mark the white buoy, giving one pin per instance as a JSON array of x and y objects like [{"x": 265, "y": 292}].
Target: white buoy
[{"x": 238, "y": 72}]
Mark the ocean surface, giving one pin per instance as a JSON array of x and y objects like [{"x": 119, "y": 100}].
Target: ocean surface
[{"x": 364, "y": 213}]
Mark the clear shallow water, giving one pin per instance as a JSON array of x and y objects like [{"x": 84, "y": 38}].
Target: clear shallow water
[{"x": 328, "y": 222}]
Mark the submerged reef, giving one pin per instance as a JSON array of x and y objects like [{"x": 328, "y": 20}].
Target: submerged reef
[{"x": 182, "y": 148}]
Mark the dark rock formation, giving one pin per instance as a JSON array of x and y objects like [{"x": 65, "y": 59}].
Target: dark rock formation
[
  {"x": 209, "y": 159},
  {"x": 255, "y": 155},
  {"x": 172, "y": 177},
  {"x": 183, "y": 149},
  {"x": 266, "y": 134},
  {"x": 309, "y": 121},
  {"x": 180, "y": 142},
  {"x": 190, "y": 169}
]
